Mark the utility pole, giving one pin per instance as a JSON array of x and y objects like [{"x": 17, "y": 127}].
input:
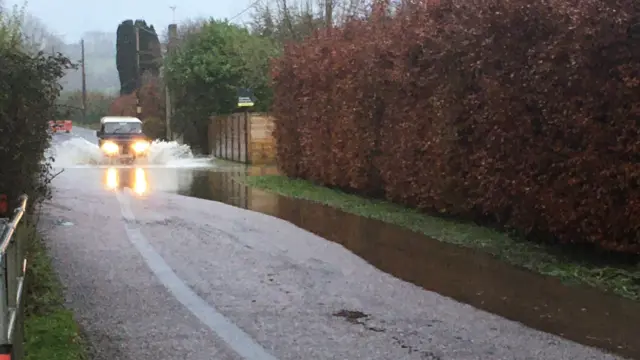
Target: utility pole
[
  {"x": 84, "y": 85},
  {"x": 138, "y": 75},
  {"x": 172, "y": 31},
  {"x": 173, "y": 17},
  {"x": 173, "y": 34}
]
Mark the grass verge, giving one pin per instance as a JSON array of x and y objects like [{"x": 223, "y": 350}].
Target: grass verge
[
  {"x": 51, "y": 332},
  {"x": 564, "y": 262}
]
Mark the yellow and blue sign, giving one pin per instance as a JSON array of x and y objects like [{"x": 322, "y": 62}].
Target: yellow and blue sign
[{"x": 245, "y": 97}]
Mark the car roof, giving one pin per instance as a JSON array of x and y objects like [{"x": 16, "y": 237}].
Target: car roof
[{"x": 111, "y": 119}]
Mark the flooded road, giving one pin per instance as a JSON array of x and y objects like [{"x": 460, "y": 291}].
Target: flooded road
[
  {"x": 156, "y": 270},
  {"x": 577, "y": 313}
]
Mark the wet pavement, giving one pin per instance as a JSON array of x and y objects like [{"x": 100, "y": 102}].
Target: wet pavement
[
  {"x": 232, "y": 259},
  {"x": 575, "y": 312}
]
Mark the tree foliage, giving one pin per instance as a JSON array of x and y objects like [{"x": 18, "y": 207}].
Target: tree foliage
[
  {"x": 70, "y": 106},
  {"x": 295, "y": 20},
  {"x": 126, "y": 58},
  {"x": 152, "y": 104},
  {"x": 518, "y": 113},
  {"x": 11, "y": 34},
  {"x": 206, "y": 69},
  {"x": 28, "y": 91}
]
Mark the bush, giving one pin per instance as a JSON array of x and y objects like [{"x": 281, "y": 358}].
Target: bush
[
  {"x": 29, "y": 88},
  {"x": 124, "y": 105},
  {"x": 518, "y": 113},
  {"x": 154, "y": 127},
  {"x": 205, "y": 72},
  {"x": 70, "y": 107},
  {"x": 152, "y": 104}
]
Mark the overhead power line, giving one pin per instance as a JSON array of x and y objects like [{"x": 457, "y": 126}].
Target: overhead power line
[{"x": 245, "y": 10}]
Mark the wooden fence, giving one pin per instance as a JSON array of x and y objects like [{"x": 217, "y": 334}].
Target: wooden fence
[{"x": 243, "y": 137}]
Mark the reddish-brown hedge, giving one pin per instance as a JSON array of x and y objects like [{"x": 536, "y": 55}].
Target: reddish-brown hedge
[
  {"x": 516, "y": 112},
  {"x": 152, "y": 104}
]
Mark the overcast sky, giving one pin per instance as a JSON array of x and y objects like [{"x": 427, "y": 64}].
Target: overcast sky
[{"x": 70, "y": 18}]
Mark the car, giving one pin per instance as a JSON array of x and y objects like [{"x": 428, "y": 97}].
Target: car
[{"x": 121, "y": 139}]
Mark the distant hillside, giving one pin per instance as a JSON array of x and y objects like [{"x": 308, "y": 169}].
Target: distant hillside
[{"x": 100, "y": 56}]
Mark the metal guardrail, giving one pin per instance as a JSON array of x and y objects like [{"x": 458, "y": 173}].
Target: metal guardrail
[{"x": 13, "y": 266}]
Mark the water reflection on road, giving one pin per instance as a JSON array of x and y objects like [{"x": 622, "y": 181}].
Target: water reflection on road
[
  {"x": 577, "y": 313},
  {"x": 120, "y": 178},
  {"x": 143, "y": 180}
]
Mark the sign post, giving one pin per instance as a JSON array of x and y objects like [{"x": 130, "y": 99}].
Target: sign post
[{"x": 246, "y": 101}]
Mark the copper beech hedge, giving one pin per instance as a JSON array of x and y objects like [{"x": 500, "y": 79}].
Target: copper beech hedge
[{"x": 522, "y": 113}]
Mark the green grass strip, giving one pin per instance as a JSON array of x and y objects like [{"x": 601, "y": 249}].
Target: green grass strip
[
  {"x": 564, "y": 262},
  {"x": 51, "y": 332}
]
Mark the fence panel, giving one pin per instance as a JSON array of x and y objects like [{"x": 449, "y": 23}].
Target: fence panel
[
  {"x": 229, "y": 137},
  {"x": 13, "y": 267},
  {"x": 233, "y": 134}
]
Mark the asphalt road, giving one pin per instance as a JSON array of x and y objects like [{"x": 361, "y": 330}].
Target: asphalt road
[{"x": 165, "y": 276}]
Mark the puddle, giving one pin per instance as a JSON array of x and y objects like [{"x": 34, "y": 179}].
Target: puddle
[
  {"x": 64, "y": 223},
  {"x": 577, "y": 313}
]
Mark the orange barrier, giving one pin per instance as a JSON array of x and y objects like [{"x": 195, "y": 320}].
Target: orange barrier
[
  {"x": 5, "y": 352},
  {"x": 61, "y": 125}
]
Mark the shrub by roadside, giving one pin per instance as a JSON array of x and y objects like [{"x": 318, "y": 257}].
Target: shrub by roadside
[
  {"x": 29, "y": 89},
  {"x": 70, "y": 107},
  {"x": 30, "y": 85},
  {"x": 151, "y": 102},
  {"x": 51, "y": 332},
  {"x": 518, "y": 114}
]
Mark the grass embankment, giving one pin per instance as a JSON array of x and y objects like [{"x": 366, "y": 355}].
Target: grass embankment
[
  {"x": 564, "y": 262},
  {"x": 51, "y": 332}
]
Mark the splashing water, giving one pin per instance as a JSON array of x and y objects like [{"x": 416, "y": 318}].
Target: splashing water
[
  {"x": 80, "y": 152},
  {"x": 75, "y": 151},
  {"x": 172, "y": 154}
]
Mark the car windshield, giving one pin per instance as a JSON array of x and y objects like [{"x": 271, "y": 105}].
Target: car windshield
[{"x": 123, "y": 128}]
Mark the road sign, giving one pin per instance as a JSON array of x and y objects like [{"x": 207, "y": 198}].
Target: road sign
[
  {"x": 245, "y": 97},
  {"x": 245, "y": 101}
]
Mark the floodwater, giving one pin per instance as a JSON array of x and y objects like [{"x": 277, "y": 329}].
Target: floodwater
[{"x": 578, "y": 313}]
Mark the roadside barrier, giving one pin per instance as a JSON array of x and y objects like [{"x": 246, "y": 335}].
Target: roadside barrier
[{"x": 13, "y": 266}]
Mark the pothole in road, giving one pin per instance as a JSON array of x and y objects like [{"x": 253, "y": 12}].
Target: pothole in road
[
  {"x": 351, "y": 316},
  {"x": 358, "y": 318},
  {"x": 427, "y": 355}
]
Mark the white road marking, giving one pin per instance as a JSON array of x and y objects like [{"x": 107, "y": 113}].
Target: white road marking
[{"x": 230, "y": 333}]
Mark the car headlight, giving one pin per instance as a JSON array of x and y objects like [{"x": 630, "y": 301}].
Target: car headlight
[
  {"x": 140, "y": 146},
  {"x": 110, "y": 148}
]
